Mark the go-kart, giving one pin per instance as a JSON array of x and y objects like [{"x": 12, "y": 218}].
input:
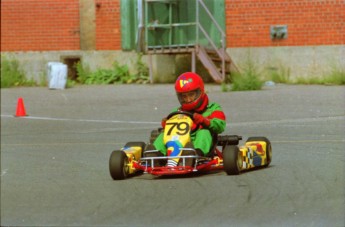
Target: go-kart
[{"x": 182, "y": 158}]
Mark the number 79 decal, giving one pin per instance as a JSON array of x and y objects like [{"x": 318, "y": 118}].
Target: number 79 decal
[{"x": 181, "y": 128}]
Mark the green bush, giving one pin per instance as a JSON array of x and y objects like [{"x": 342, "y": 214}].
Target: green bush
[
  {"x": 83, "y": 72},
  {"x": 248, "y": 79},
  {"x": 118, "y": 74},
  {"x": 143, "y": 74},
  {"x": 12, "y": 75}
]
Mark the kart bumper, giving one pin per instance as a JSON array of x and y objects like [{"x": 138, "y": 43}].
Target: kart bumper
[{"x": 201, "y": 164}]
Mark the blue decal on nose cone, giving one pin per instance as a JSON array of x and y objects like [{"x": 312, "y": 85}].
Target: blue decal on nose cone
[{"x": 176, "y": 145}]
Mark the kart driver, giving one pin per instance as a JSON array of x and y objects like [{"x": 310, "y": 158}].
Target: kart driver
[{"x": 208, "y": 118}]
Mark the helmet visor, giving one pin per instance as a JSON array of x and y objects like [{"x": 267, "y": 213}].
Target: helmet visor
[{"x": 188, "y": 97}]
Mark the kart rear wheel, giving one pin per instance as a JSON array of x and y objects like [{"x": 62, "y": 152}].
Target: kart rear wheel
[
  {"x": 154, "y": 134},
  {"x": 268, "y": 147},
  {"x": 232, "y": 160},
  {"x": 118, "y": 165}
]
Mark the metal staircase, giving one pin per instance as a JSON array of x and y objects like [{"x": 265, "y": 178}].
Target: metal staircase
[
  {"x": 169, "y": 36},
  {"x": 217, "y": 62}
]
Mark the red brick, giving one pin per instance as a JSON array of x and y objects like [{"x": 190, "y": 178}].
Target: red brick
[{"x": 54, "y": 24}]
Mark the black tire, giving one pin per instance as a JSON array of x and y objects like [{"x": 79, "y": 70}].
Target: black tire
[
  {"x": 136, "y": 144},
  {"x": 154, "y": 134},
  {"x": 268, "y": 147},
  {"x": 232, "y": 160},
  {"x": 188, "y": 161},
  {"x": 118, "y": 165}
]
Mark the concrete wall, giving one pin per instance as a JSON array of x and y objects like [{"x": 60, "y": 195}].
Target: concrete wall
[
  {"x": 307, "y": 61},
  {"x": 298, "y": 61},
  {"x": 34, "y": 63}
]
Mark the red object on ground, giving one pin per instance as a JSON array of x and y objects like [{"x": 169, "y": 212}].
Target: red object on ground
[{"x": 20, "y": 108}]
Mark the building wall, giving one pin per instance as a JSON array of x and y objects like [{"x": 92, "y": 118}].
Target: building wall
[
  {"x": 40, "y": 25},
  {"x": 108, "y": 25},
  {"x": 45, "y": 25},
  {"x": 309, "y": 22},
  {"x": 49, "y": 25},
  {"x": 87, "y": 25},
  {"x": 38, "y": 31}
]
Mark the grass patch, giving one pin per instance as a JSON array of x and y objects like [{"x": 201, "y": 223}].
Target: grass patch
[
  {"x": 335, "y": 77},
  {"x": 279, "y": 74},
  {"x": 83, "y": 72},
  {"x": 246, "y": 80},
  {"x": 118, "y": 74},
  {"x": 12, "y": 75}
]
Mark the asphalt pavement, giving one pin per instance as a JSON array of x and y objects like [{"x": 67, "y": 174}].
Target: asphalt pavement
[{"x": 54, "y": 162}]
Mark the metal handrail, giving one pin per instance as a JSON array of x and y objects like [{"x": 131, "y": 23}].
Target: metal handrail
[
  {"x": 197, "y": 24},
  {"x": 198, "y": 27},
  {"x": 212, "y": 18},
  {"x": 201, "y": 2}
]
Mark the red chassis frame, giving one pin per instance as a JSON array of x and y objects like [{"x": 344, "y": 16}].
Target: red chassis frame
[{"x": 208, "y": 164}]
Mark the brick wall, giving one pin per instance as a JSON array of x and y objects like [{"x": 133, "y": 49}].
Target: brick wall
[
  {"x": 310, "y": 22},
  {"x": 44, "y": 25},
  {"x": 39, "y": 25},
  {"x": 108, "y": 32}
]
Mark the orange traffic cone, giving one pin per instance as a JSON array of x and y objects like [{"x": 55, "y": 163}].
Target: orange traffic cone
[{"x": 20, "y": 108}]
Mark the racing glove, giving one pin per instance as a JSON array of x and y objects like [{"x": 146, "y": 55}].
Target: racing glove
[
  {"x": 201, "y": 120},
  {"x": 163, "y": 122}
]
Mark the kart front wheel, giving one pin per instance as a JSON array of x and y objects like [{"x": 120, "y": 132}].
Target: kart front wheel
[
  {"x": 232, "y": 160},
  {"x": 142, "y": 145},
  {"x": 118, "y": 165}
]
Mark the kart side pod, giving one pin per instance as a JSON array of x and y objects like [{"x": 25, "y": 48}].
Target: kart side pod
[{"x": 256, "y": 152}]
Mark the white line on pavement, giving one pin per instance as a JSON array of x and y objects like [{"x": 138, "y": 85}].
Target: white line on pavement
[{"x": 311, "y": 119}]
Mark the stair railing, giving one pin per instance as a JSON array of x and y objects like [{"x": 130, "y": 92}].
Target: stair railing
[{"x": 199, "y": 26}]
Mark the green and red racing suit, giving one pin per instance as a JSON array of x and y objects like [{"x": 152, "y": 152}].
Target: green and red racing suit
[{"x": 202, "y": 138}]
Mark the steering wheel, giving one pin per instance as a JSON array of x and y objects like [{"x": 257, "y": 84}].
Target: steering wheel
[{"x": 189, "y": 114}]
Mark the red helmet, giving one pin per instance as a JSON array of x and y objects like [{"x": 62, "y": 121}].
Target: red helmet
[{"x": 190, "y": 92}]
